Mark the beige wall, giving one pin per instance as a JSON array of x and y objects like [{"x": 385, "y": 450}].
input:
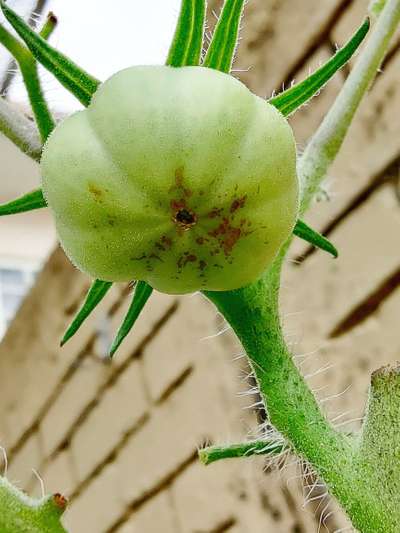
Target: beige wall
[{"x": 120, "y": 439}]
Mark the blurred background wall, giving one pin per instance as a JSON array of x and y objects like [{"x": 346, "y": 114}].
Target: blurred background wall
[{"x": 120, "y": 439}]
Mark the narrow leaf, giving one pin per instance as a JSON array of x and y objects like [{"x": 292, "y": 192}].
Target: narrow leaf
[
  {"x": 27, "y": 202},
  {"x": 306, "y": 233},
  {"x": 290, "y": 100},
  {"x": 188, "y": 39},
  {"x": 244, "y": 449},
  {"x": 141, "y": 295},
  {"x": 76, "y": 80},
  {"x": 96, "y": 293},
  {"x": 221, "y": 52}
]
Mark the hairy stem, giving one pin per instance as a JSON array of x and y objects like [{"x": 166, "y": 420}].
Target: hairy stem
[
  {"x": 253, "y": 313},
  {"x": 210, "y": 454},
  {"x": 325, "y": 144},
  {"x": 30, "y": 75},
  {"x": 20, "y": 130},
  {"x": 292, "y": 408}
]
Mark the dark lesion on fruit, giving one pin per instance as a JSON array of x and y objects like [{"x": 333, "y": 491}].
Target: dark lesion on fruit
[
  {"x": 185, "y": 218},
  {"x": 182, "y": 215}
]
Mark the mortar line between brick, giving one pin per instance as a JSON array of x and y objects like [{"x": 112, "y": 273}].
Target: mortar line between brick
[
  {"x": 111, "y": 456},
  {"x": 226, "y": 525},
  {"x": 69, "y": 374},
  {"x": 119, "y": 370},
  {"x": 165, "y": 483},
  {"x": 368, "y": 306},
  {"x": 113, "y": 453},
  {"x": 178, "y": 381}
]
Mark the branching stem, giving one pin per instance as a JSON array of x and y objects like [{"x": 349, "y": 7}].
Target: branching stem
[{"x": 328, "y": 139}]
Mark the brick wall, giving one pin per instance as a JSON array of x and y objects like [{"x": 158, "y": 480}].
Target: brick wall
[{"x": 120, "y": 439}]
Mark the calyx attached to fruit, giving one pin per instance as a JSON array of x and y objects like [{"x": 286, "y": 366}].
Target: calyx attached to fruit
[{"x": 177, "y": 176}]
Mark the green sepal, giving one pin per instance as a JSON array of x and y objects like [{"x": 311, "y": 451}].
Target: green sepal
[
  {"x": 94, "y": 296},
  {"x": 187, "y": 44},
  {"x": 140, "y": 296},
  {"x": 291, "y": 99},
  {"x": 303, "y": 231},
  {"x": 28, "y": 202},
  {"x": 81, "y": 84},
  {"x": 221, "y": 52}
]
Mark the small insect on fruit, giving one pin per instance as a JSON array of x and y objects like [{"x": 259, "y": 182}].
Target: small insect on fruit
[{"x": 177, "y": 176}]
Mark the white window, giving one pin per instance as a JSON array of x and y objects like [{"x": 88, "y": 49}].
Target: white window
[{"x": 14, "y": 284}]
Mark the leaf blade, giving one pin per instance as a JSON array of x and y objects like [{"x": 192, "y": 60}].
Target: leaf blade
[
  {"x": 305, "y": 232},
  {"x": 221, "y": 52},
  {"x": 71, "y": 76},
  {"x": 187, "y": 43},
  {"x": 140, "y": 296},
  {"x": 28, "y": 202},
  {"x": 291, "y": 99},
  {"x": 94, "y": 296}
]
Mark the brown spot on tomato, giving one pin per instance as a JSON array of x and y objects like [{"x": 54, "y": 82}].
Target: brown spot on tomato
[
  {"x": 178, "y": 204},
  {"x": 185, "y": 259},
  {"x": 166, "y": 241},
  {"x": 96, "y": 192},
  {"x": 238, "y": 203},
  {"x": 202, "y": 264},
  {"x": 215, "y": 212},
  {"x": 200, "y": 240},
  {"x": 227, "y": 235},
  {"x": 179, "y": 183}
]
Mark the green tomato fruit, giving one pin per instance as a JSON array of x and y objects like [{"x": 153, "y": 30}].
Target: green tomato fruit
[{"x": 177, "y": 176}]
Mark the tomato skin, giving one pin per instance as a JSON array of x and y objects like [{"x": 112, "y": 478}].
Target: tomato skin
[{"x": 177, "y": 176}]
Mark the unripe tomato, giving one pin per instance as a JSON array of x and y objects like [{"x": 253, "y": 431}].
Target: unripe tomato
[{"x": 177, "y": 176}]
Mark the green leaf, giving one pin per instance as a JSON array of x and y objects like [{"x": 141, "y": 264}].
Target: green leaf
[
  {"x": 221, "y": 52},
  {"x": 188, "y": 39},
  {"x": 96, "y": 293},
  {"x": 27, "y": 202},
  {"x": 76, "y": 80},
  {"x": 306, "y": 233},
  {"x": 290, "y": 100},
  {"x": 140, "y": 296}
]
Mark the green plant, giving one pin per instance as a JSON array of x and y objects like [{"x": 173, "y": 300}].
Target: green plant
[{"x": 363, "y": 470}]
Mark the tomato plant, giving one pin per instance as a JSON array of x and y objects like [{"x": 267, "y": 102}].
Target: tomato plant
[{"x": 181, "y": 179}]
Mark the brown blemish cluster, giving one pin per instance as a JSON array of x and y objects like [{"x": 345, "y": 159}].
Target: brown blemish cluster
[{"x": 221, "y": 239}]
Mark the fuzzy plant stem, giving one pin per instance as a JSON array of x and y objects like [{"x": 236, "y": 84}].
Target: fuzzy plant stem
[
  {"x": 30, "y": 75},
  {"x": 292, "y": 408},
  {"x": 325, "y": 144},
  {"x": 21, "y": 514},
  {"x": 20, "y": 130},
  {"x": 253, "y": 313}
]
